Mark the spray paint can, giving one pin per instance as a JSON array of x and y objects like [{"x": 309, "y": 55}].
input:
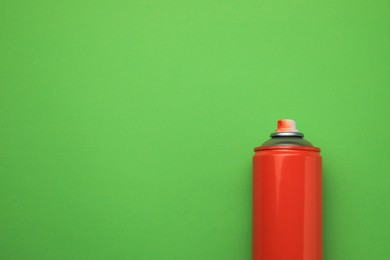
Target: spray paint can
[{"x": 287, "y": 197}]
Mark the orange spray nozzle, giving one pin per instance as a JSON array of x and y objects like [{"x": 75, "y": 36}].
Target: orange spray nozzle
[{"x": 286, "y": 125}]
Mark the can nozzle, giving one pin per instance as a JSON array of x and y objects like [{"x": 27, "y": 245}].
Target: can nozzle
[
  {"x": 286, "y": 125},
  {"x": 286, "y": 128}
]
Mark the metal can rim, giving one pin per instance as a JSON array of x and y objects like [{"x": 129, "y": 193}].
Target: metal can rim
[{"x": 288, "y": 147}]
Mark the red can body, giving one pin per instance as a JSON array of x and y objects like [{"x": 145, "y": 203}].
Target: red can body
[{"x": 287, "y": 203}]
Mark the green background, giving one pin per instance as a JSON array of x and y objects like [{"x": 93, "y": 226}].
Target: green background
[{"x": 127, "y": 127}]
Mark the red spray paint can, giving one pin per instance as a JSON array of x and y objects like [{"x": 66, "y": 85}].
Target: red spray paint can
[{"x": 287, "y": 197}]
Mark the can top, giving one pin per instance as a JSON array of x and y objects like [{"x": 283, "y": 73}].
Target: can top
[{"x": 287, "y": 136}]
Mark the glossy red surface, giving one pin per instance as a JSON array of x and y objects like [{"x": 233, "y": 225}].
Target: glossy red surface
[{"x": 287, "y": 203}]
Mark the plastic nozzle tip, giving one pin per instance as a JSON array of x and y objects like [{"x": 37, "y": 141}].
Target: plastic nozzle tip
[{"x": 286, "y": 125}]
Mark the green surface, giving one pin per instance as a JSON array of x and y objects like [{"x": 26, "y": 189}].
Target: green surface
[{"x": 127, "y": 127}]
